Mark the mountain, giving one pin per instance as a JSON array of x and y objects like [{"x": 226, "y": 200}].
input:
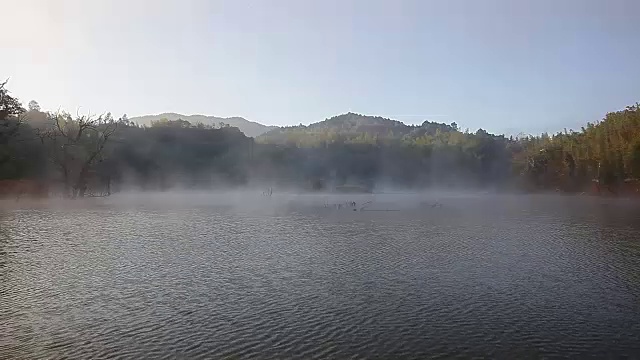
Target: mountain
[
  {"x": 249, "y": 128},
  {"x": 357, "y": 123},
  {"x": 352, "y": 127},
  {"x": 345, "y": 125}
]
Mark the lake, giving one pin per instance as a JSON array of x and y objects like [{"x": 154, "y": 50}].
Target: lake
[{"x": 197, "y": 275}]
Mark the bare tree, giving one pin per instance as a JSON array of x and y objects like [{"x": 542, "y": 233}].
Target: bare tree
[{"x": 75, "y": 145}]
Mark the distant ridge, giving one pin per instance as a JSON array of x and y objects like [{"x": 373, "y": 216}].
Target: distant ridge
[
  {"x": 249, "y": 128},
  {"x": 352, "y": 126}
]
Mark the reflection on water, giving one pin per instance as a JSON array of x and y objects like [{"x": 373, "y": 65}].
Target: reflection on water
[{"x": 231, "y": 276}]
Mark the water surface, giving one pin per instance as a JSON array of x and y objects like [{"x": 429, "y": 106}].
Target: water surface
[{"x": 288, "y": 276}]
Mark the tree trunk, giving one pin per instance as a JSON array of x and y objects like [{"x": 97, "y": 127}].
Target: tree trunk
[{"x": 80, "y": 187}]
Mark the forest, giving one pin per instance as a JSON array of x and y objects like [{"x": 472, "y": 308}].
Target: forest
[{"x": 73, "y": 156}]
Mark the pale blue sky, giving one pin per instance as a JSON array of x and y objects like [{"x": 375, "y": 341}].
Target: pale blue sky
[{"x": 503, "y": 65}]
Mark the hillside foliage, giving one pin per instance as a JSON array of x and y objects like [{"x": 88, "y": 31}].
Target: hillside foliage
[{"x": 345, "y": 149}]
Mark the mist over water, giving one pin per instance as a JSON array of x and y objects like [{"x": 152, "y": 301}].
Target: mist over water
[{"x": 244, "y": 275}]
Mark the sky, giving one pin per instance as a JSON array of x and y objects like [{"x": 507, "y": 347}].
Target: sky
[{"x": 507, "y": 66}]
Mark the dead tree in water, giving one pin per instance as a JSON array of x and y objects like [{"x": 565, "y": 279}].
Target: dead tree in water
[{"x": 75, "y": 145}]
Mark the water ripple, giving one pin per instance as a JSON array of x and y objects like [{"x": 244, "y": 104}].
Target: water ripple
[{"x": 145, "y": 277}]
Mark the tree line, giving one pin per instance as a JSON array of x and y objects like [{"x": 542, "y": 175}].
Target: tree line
[{"x": 85, "y": 155}]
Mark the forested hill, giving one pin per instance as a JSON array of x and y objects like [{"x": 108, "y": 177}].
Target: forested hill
[
  {"x": 351, "y": 122},
  {"x": 249, "y": 128},
  {"x": 353, "y": 128},
  {"x": 79, "y": 155}
]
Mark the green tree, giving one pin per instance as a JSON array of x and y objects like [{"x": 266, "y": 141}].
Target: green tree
[{"x": 33, "y": 106}]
